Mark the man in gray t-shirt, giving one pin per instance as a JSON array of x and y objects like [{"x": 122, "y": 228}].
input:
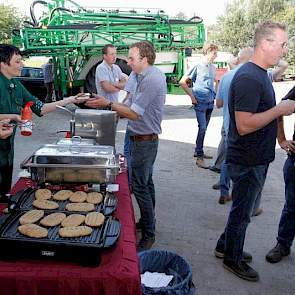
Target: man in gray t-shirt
[{"x": 109, "y": 79}]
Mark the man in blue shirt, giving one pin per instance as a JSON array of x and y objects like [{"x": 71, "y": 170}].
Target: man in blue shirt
[
  {"x": 202, "y": 96},
  {"x": 145, "y": 116},
  {"x": 222, "y": 101},
  {"x": 286, "y": 231},
  {"x": 130, "y": 88},
  {"x": 251, "y": 141}
]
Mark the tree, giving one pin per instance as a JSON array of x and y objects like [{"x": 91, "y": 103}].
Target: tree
[
  {"x": 289, "y": 19},
  {"x": 235, "y": 29},
  {"x": 10, "y": 19}
]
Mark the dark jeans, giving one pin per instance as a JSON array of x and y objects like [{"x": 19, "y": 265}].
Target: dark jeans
[
  {"x": 49, "y": 91},
  {"x": 287, "y": 223},
  {"x": 127, "y": 153},
  {"x": 247, "y": 184},
  {"x": 5, "y": 179},
  {"x": 203, "y": 113},
  {"x": 143, "y": 155}
]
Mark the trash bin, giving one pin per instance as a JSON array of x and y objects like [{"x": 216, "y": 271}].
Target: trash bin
[{"x": 170, "y": 264}]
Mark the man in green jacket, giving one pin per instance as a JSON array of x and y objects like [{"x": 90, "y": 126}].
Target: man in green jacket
[{"x": 13, "y": 97}]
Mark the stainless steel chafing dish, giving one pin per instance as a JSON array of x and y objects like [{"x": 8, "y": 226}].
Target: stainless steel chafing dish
[{"x": 73, "y": 163}]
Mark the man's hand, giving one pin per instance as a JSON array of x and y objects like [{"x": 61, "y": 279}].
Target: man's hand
[
  {"x": 5, "y": 129},
  {"x": 81, "y": 97},
  {"x": 97, "y": 102},
  {"x": 286, "y": 107},
  {"x": 288, "y": 146},
  {"x": 17, "y": 118},
  {"x": 194, "y": 101},
  {"x": 11, "y": 117}
]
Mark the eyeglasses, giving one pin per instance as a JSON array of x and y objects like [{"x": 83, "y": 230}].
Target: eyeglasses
[{"x": 283, "y": 45}]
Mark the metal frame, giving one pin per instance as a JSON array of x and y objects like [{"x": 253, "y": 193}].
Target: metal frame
[{"x": 71, "y": 34}]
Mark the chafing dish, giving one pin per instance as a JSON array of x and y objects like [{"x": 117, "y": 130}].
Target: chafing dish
[{"x": 73, "y": 163}]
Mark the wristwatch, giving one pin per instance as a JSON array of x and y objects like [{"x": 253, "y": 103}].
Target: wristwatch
[{"x": 109, "y": 106}]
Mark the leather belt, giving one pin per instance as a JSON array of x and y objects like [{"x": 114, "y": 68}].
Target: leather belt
[{"x": 144, "y": 137}]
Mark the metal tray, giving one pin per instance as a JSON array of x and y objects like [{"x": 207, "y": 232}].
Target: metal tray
[
  {"x": 75, "y": 154},
  {"x": 73, "y": 164}
]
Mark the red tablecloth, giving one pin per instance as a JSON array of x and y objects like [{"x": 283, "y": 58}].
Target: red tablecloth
[{"x": 118, "y": 272}]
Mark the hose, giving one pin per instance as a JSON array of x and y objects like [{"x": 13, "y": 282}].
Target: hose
[
  {"x": 56, "y": 9},
  {"x": 35, "y": 22}
]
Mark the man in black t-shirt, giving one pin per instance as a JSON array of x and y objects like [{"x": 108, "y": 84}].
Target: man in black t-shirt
[
  {"x": 286, "y": 232},
  {"x": 251, "y": 141}
]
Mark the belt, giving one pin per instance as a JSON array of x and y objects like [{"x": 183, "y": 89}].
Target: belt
[{"x": 143, "y": 137}]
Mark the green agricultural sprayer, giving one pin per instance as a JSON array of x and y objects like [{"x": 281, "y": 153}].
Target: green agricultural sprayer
[{"x": 74, "y": 36}]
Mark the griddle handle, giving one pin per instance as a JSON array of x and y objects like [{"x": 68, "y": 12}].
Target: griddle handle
[
  {"x": 12, "y": 204},
  {"x": 3, "y": 218},
  {"x": 14, "y": 200},
  {"x": 112, "y": 233}
]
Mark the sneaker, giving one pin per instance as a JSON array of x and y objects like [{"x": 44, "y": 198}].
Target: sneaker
[
  {"x": 214, "y": 169},
  {"x": 258, "y": 212},
  {"x": 223, "y": 199},
  {"x": 242, "y": 270},
  {"x": 216, "y": 186},
  {"x": 145, "y": 243},
  {"x": 277, "y": 253},
  {"x": 201, "y": 163},
  {"x": 219, "y": 253},
  {"x": 205, "y": 156}
]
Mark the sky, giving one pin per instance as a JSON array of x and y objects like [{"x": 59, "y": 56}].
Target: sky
[{"x": 208, "y": 9}]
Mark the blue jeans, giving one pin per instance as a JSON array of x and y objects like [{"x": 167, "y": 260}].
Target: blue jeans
[
  {"x": 256, "y": 204},
  {"x": 224, "y": 176},
  {"x": 224, "y": 180},
  {"x": 248, "y": 182},
  {"x": 127, "y": 153},
  {"x": 287, "y": 223},
  {"x": 203, "y": 113},
  {"x": 143, "y": 155}
]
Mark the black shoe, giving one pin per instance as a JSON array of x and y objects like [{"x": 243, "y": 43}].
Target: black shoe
[
  {"x": 145, "y": 243},
  {"x": 277, "y": 253},
  {"x": 219, "y": 253},
  {"x": 214, "y": 169},
  {"x": 223, "y": 199},
  {"x": 242, "y": 270},
  {"x": 138, "y": 224},
  {"x": 216, "y": 186}
]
